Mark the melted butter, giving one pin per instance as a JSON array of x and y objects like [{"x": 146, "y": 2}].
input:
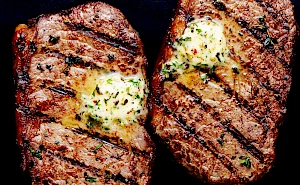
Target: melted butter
[
  {"x": 202, "y": 45},
  {"x": 114, "y": 100}
]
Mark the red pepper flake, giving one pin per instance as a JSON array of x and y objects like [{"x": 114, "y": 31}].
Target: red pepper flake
[{"x": 194, "y": 51}]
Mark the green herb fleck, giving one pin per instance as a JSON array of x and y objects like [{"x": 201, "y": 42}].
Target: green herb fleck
[
  {"x": 70, "y": 60},
  {"x": 199, "y": 30},
  {"x": 220, "y": 139},
  {"x": 90, "y": 179},
  {"x": 245, "y": 161},
  {"x": 135, "y": 83},
  {"x": 203, "y": 77},
  {"x": 36, "y": 153},
  {"x": 111, "y": 57},
  {"x": 99, "y": 146},
  {"x": 53, "y": 40},
  {"x": 109, "y": 81}
]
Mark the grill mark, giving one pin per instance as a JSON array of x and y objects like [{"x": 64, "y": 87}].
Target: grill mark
[
  {"x": 61, "y": 89},
  {"x": 93, "y": 170},
  {"x": 224, "y": 160},
  {"x": 265, "y": 83},
  {"x": 81, "y": 63},
  {"x": 26, "y": 110},
  {"x": 241, "y": 102},
  {"x": 245, "y": 143},
  {"x": 225, "y": 124},
  {"x": 130, "y": 48},
  {"x": 259, "y": 34},
  {"x": 96, "y": 136}
]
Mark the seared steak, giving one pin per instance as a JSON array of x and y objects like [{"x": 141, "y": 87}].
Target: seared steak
[
  {"x": 220, "y": 86},
  {"x": 81, "y": 98}
]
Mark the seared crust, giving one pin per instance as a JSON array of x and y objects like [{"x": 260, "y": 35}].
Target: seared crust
[
  {"x": 56, "y": 59},
  {"x": 244, "y": 109}
]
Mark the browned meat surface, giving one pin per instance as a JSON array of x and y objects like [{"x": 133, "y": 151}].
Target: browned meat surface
[
  {"x": 81, "y": 96},
  {"x": 220, "y": 86}
]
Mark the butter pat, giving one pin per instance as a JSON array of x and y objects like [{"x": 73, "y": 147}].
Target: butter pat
[
  {"x": 202, "y": 45},
  {"x": 115, "y": 100}
]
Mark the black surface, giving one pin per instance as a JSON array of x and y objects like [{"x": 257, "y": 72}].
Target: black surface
[{"x": 151, "y": 19}]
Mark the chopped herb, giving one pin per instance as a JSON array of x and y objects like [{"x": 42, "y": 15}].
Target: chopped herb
[
  {"x": 66, "y": 21},
  {"x": 235, "y": 70},
  {"x": 90, "y": 125},
  {"x": 218, "y": 57},
  {"x": 36, "y": 153},
  {"x": 185, "y": 39},
  {"x": 200, "y": 66},
  {"x": 199, "y": 30},
  {"x": 106, "y": 128},
  {"x": 135, "y": 83},
  {"x": 138, "y": 96},
  {"x": 220, "y": 139},
  {"x": 90, "y": 179},
  {"x": 270, "y": 41},
  {"x": 70, "y": 60},
  {"x": 261, "y": 19},
  {"x": 99, "y": 146},
  {"x": 109, "y": 81},
  {"x": 53, "y": 40},
  {"x": 111, "y": 57},
  {"x": 212, "y": 69},
  {"x": 245, "y": 161},
  {"x": 203, "y": 77}
]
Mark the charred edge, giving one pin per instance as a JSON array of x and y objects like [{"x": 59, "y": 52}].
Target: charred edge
[
  {"x": 96, "y": 136},
  {"x": 94, "y": 170},
  {"x": 130, "y": 48},
  {"x": 244, "y": 142},
  {"x": 32, "y": 22},
  {"x": 21, "y": 42},
  {"x": 63, "y": 90},
  {"x": 224, "y": 160},
  {"x": 225, "y": 124}
]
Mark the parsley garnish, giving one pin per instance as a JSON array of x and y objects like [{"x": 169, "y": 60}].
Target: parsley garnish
[
  {"x": 245, "y": 161},
  {"x": 90, "y": 179},
  {"x": 135, "y": 83},
  {"x": 36, "y": 153}
]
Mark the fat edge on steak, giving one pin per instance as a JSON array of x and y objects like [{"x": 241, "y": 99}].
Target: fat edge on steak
[
  {"x": 220, "y": 86},
  {"x": 81, "y": 98}
]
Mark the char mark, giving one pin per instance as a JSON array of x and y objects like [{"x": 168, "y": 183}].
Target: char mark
[
  {"x": 28, "y": 112},
  {"x": 244, "y": 142},
  {"x": 225, "y": 124},
  {"x": 94, "y": 170},
  {"x": 63, "y": 90},
  {"x": 204, "y": 143},
  {"x": 118, "y": 43},
  {"x": 96, "y": 136}
]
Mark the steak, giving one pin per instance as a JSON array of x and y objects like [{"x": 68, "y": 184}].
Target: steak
[
  {"x": 81, "y": 98},
  {"x": 220, "y": 86}
]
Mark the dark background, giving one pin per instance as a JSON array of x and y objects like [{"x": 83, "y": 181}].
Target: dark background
[{"x": 151, "y": 19}]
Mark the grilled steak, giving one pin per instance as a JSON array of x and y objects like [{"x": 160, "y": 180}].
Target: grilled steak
[
  {"x": 220, "y": 86},
  {"x": 81, "y": 98}
]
